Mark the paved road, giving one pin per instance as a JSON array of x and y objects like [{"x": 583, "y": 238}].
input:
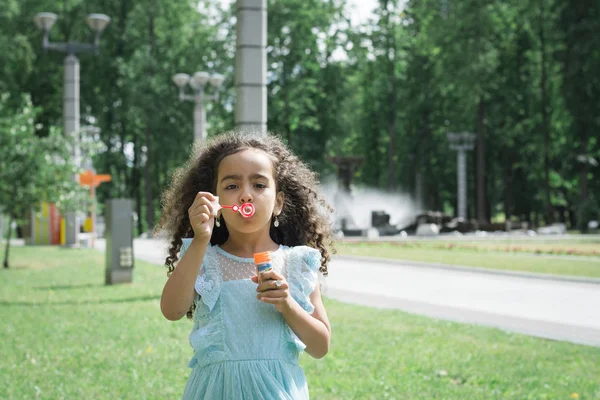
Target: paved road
[{"x": 545, "y": 308}]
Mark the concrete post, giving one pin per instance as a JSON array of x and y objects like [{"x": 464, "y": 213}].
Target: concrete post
[
  {"x": 119, "y": 241},
  {"x": 461, "y": 142},
  {"x": 251, "y": 65},
  {"x": 71, "y": 126}
]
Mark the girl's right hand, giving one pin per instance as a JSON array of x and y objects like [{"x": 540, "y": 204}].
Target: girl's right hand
[{"x": 201, "y": 216}]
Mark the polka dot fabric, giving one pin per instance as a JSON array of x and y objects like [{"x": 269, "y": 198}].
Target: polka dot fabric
[{"x": 243, "y": 348}]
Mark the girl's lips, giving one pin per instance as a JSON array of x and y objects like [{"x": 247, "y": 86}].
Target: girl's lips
[{"x": 247, "y": 210}]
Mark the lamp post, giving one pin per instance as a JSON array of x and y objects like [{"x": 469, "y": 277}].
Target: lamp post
[
  {"x": 251, "y": 65},
  {"x": 461, "y": 142},
  {"x": 198, "y": 84},
  {"x": 97, "y": 22}
]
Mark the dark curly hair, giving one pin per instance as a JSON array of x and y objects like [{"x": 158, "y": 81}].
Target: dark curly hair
[{"x": 304, "y": 219}]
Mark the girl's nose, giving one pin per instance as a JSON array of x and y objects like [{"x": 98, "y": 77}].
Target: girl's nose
[{"x": 246, "y": 196}]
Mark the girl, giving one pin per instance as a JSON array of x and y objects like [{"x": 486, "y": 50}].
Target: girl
[{"x": 248, "y": 331}]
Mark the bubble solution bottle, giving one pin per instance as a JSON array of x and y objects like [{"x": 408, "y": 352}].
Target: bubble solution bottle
[{"x": 263, "y": 263}]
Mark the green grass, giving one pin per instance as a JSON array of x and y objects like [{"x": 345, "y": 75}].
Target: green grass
[
  {"x": 590, "y": 248},
  {"x": 65, "y": 335},
  {"x": 427, "y": 252}
]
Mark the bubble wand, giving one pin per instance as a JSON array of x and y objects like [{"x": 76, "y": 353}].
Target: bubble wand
[{"x": 245, "y": 209}]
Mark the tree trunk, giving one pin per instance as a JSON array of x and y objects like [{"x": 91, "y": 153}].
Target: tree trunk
[
  {"x": 148, "y": 182},
  {"x": 288, "y": 112},
  {"x": 136, "y": 192},
  {"x": 423, "y": 162},
  {"x": 148, "y": 134},
  {"x": 481, "y": 198},
  {"x": 507, "y": 189},
  {"x": 583, "y": 172},
  {"x": 391, "y": 44},
  {"x": 545, "y": 123},
  {"x": 419, "y": 191},
  {"x": 10, "y": 220}
]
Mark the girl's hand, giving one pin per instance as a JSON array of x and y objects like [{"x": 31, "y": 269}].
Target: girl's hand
[
  {"x": 201, "y": 216},
  {"x": 275, "y": 290}
]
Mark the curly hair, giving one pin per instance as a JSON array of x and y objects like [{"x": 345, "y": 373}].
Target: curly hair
[{"x": 304, "y": 219}]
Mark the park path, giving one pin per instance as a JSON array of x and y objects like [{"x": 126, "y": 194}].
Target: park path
[{"x": 547, "y": 308}]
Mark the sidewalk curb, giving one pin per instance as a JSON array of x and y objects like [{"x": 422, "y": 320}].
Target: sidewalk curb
[{"x": 490, "y": 271}]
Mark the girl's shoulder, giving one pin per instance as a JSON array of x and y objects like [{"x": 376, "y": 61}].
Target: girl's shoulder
[
  {"x": 303, "y": 264},
  {"x": 302, "y": 260},
  {"x": 185, "y": 244},
  {"x": 303, "y": 253}
]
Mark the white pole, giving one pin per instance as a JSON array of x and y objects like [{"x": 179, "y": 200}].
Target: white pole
[
  {"x": 199, "y": 120},
  {"x": 251, "y": 65}
]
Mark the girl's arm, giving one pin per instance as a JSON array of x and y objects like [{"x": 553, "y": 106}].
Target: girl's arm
[
  {"x": 313, "y": 330},
  {"x": 178, "y": 293}
]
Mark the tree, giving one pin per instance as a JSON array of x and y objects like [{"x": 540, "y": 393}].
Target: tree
[
  {"x": 522, "y": 74},
  {"x": 580, "y": 27},
  {"x": 304, "y": 92},
  {"x": 32, "y": 169}
]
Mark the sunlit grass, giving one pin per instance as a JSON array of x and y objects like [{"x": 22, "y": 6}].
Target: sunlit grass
[
  {"x": 65, "y": 335},
  {"x": 448, "y": 253}
]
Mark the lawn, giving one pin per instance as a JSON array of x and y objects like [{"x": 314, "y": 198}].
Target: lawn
[
  {"x": 65, "y": 335},
  {"x": 478, "y": 255}
]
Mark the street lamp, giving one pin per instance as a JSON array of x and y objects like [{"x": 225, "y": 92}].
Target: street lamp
[
  {"x": 97, "y": 22},
  {"x": 461, "y": 142},
  {"x": 198, "y": 83}
]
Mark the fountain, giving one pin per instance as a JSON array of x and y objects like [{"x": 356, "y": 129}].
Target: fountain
[{"x": 344, "y": 220}]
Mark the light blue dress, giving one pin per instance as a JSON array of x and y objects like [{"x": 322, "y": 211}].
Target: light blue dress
[{"x": 243, "y": 348}]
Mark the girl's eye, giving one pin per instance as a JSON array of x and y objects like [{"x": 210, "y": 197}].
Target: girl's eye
[
  {"x": 260, "y": 186},
  {"x": 230, "y": 187}
]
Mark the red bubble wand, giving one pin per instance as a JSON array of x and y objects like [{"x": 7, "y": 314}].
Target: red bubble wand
[{"x": 245, "y": 209}]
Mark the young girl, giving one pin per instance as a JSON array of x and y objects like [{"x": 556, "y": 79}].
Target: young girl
[{"x": 248, "y": 330}]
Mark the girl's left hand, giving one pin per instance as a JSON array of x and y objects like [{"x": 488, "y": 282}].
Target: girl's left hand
[{"x": 275, "y": 290}]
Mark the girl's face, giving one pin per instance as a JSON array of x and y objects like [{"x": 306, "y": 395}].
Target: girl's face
[{"x": 247, "y": 177}]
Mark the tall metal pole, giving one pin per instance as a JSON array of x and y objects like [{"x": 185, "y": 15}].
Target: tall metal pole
[
  {"x": 251, "y": 65},
  {"x": 71, "y": 127},
  {"x": 199, "y": 83},
  {"x": 97, "y": 22}
]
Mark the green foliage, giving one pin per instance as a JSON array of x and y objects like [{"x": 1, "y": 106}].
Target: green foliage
[
  {"x": 305, "y": 83},
  {"x": 33, "y": 169},
  {"x": 521, "y": 74}
]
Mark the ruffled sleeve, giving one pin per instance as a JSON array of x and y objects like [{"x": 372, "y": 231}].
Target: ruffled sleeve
[
  {"x": 208, "y": 281},
  {"x": 184, "y": 246},
  {"x": 303, "y": 277},
  {"x": 208, "y": 336}
]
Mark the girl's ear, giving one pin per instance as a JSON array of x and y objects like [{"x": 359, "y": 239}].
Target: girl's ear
[{"x": 279, "y": 200}]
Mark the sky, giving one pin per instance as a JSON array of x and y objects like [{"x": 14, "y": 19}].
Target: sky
[{"x": 361, "y": 10}]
